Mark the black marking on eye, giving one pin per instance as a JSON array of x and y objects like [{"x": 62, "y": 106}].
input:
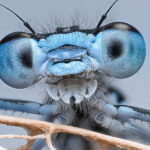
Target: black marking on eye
[
  {"x": 115, "y": 49},
  {"x": 26, "y": 59},
  {"x": 14, "y": 35},
  {"x": 118, "y": 25},
  {"x": 121, "y": 26}
]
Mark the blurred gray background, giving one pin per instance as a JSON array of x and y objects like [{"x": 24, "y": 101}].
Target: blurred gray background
[{"x": 134, "y": 12}]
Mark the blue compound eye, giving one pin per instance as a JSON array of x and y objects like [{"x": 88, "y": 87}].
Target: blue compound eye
[
  {"x": 16, "y": 68},
  {"x": 123, "y": 50}
]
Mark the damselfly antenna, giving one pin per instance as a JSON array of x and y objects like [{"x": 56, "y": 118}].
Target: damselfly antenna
[
  {"x": 26, "y": 24},
  {"x": 105, "y": 15}
]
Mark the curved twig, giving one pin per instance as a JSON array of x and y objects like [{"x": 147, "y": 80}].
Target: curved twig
[{"x": 47, "y": 129}]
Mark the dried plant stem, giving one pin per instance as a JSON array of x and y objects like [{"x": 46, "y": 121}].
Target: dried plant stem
[
  {"x": 49, "y": 143},
  {"x": 47, "y": 129}
]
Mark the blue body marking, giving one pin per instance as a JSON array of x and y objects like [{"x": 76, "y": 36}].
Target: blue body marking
[{"x": 91, "y": 53}]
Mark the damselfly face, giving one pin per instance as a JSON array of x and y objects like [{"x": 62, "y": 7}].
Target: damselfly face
[{"x": 71, "y": 61}]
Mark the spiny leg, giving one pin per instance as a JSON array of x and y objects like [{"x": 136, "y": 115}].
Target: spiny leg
[
  {"x": 135, "y": 113},
  {"x": 117, "y": 118},
  {"x": 123, "y": 112},
  {"x": 114, "y": 126}
]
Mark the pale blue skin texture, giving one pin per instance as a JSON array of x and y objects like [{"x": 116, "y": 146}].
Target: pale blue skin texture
[{"x": 94, "y": 53}]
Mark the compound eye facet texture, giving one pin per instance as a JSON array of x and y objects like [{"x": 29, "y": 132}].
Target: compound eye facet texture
[
  {"x": 123, "y": 50},
  {"x": 16, "y": 66}
]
